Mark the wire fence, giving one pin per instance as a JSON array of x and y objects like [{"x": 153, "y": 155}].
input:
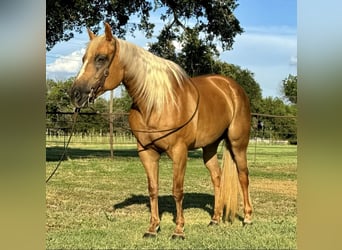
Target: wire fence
[{"x": 92, "y": 130}]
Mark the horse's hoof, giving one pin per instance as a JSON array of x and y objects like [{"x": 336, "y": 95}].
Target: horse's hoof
[
  {"x": 149, "y": 235},
  {"x": 213, "y": 223},
  {"x": 152, "y": 234},
  {"x": 178, "y": 236},
  {"x": 247, "y": 223}
]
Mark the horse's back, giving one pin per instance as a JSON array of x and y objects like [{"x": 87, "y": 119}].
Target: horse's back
[
  {"x": 219, "y": 90},
  {"x": 223, "y": 83}
]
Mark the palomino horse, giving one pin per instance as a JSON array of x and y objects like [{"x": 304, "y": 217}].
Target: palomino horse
[{"x": 173, "y": 113}]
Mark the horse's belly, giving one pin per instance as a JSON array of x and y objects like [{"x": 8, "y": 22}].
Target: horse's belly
[
  {"x": 212, "y": 126},
  {"x": 208, "y": 136}
]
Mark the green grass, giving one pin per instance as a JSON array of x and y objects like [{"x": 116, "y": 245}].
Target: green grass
[{"x": 100, "y": 203}]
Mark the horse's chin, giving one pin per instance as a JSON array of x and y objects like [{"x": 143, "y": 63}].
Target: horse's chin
[
  {"x": 81, "y": 102},
  {"x": 91, "y": 99}
]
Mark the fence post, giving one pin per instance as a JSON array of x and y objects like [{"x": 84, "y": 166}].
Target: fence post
[
  {"x": 111, "y": 119},
  {"x": 256, "y": 139}
]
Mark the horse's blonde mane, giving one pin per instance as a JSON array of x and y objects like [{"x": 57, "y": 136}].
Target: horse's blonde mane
[{"x": 153, "y": 77}]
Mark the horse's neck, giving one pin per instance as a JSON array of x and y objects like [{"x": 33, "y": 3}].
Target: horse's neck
[
  {"x": 136, "y": 103},
  {"x": 140, "y": 104},
  {"x": 150, "y": 80}
]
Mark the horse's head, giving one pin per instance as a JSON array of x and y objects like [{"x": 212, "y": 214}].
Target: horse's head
[{"x": 101, "y": 69}]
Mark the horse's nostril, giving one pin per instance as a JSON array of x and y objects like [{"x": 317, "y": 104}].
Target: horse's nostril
[{"x": 77, "y": 94}]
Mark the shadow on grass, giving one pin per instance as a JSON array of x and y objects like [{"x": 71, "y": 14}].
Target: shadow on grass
[
  {"x": 55, "y": 153},
  {"x": 167, "y": 203}
]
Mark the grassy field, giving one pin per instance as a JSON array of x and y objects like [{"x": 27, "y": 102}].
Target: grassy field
[{"x": 94, "y": 202}]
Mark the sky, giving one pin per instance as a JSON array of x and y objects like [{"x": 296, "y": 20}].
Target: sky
[{"x": 267, "y": 47}]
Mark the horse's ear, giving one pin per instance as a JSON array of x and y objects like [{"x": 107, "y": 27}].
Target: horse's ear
[
  {"x": 108, "y": 32},
  {"x": 91, "y": 34}
]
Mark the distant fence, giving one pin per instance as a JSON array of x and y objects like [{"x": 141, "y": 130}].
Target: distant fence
[{"x": 93, "y": 128}]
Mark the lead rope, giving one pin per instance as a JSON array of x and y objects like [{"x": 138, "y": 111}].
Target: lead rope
[{"x": 77, "y": 110}]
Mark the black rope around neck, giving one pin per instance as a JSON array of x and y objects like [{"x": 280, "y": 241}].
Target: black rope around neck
[{"x": 172, "y": 130}]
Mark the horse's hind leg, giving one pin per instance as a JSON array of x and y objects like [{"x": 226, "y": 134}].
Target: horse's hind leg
[
  {"x": 212, "y": 164},
  {"x": 241, "y": 162},
  {"x": 238, "y": 135}
]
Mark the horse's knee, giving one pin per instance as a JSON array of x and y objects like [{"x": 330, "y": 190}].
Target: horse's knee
[
  {"x": 243, "y": 171},
  {"x": 178, "y": 194},
  {"x": 153, "y": 194}
]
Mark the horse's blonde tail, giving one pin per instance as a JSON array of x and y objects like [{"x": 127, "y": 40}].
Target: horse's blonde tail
[{"x": 229, "y": 186}]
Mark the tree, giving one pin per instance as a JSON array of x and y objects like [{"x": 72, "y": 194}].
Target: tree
[
  {"x": 214, "y": 18},
  {"x": 58, "y": 100},
  {"x": 245, "y": 78},
  {"x": 197, "y": 55},
  {"x": 121, "y": 107},
  {"x": 280, "y": 128},
  {"x": 289, "y": 88},
  {"x": 164, "y": 46},
  {"x": 123, "y": 103}
]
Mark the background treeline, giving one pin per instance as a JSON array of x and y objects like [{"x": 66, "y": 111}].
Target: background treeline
[
  {"x": 199, "y": 27},
  {"x": 280, "y": 122}
]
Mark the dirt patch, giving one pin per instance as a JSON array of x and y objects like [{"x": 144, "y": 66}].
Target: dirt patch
[{"x": 284, "y": 187}]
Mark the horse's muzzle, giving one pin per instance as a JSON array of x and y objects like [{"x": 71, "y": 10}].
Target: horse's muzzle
[{"x": 79, "y": 96}]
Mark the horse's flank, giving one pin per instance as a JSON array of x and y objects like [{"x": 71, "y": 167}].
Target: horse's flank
[{"x": 154, "y": 76}]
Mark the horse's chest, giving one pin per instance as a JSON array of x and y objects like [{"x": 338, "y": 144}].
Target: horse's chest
[
  {"x": 145, "y": 134},
  {"x": 161, "y": 133}
]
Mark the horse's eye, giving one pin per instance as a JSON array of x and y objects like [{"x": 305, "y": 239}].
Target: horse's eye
[{"x": 100, "y": 59}]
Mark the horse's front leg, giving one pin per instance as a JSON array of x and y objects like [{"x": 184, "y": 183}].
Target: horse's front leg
[
  {"x": 150, "y": 160},
  {"x": 178, "y": 155}
]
